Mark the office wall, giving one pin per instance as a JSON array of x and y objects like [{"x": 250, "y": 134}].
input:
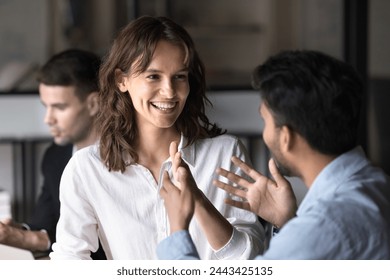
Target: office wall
[
  {"x": 379, "y": 83},
  {"x": 24, "y": 33},
  {"x": 379, "y": 39},
  {"x": 24, "y": 30},
  {"x": 21, "y": 118},
  {"x": 23, "y": 134},
  {"x": 6, "y": 168}
]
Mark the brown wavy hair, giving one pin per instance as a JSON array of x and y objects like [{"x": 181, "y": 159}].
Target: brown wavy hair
[{"x": 136, "y": 42}]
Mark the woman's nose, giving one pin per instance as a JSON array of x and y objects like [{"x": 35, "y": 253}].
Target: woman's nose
[{"x": 167, "y": 89}]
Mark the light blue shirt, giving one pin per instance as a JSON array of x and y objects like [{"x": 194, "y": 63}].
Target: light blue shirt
[{"x": 344, "y": 215}]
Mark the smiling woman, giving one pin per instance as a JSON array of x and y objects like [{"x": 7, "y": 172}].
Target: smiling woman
[
  {"x": 160, "y": 92},
  {"x": 152, "y": 94}
]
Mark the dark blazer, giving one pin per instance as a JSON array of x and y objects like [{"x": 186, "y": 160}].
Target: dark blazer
[{"x": 47, "y": 208}]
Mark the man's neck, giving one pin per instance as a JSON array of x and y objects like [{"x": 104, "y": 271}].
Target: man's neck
[
  {"x": 312, "y": 166},
  {"x": 91, "y": 139}
]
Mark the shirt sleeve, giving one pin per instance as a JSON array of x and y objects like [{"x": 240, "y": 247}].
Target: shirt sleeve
[
  {"x": 310, "y": 237},
  {"x": 177, "y": 246},
  {"x": 77, "y": 227}
]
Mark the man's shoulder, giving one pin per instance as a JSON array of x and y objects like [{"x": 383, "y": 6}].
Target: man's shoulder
[
  {"x": 55, "y": 151},
  {"x": 54, "y": 148},
  {"x": 55, "y": 158}
]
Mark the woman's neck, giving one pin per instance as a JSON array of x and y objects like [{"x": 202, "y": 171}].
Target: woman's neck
[{"x": 153, "y": 148}]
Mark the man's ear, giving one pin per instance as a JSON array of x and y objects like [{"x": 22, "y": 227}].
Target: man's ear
[
  {"x": 120, "y": 80},
  {"x": 287, "y": 138},
  {"x": 93, "y": 103}
]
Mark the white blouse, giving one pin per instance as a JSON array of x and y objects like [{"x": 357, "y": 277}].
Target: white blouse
[{"x": 127, "y": 214}]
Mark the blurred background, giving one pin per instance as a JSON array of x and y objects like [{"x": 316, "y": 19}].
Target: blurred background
[{"x": 231, "y": 36}]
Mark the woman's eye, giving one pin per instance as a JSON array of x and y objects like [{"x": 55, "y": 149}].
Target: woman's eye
[
  {"x": 181, "y": 77},
  {"x": 153, "y": 77}
]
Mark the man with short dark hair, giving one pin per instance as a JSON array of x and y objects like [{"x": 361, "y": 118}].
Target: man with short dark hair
[
  {"x": 68, "y": 88},
  {"x": 311, "y": 108}
]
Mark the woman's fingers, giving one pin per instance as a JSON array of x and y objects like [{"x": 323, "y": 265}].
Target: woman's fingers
[
  {"x": 173, "y": 147},
  {"x": 167, "y": 185}
]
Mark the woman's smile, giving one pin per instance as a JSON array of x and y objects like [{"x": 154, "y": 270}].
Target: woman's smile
[{"x": 164, "y": 106}]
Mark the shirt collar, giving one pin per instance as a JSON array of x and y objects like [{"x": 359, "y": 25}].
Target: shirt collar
[
  {"x": 187, "y": 152},
  {"x": 74, "y": 149},
  {"x": 333, "y": 175}
]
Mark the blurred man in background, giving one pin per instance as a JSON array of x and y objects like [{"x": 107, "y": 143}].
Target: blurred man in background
[{"x": 68, "y": 88}]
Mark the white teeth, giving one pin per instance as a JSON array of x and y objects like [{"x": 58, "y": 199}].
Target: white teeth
[{"x": 163, "y": 105}]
